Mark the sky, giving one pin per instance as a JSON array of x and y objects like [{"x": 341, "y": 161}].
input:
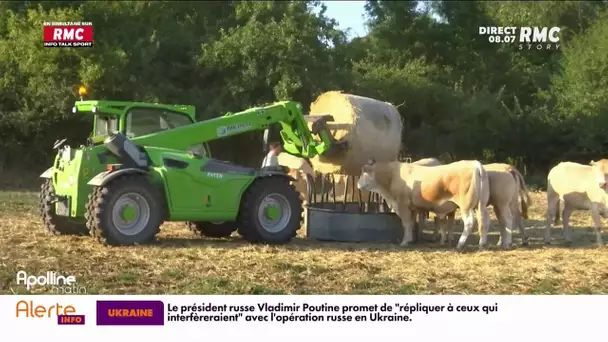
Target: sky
[
  {"x": 348, "y": 14},
  {"x": 351, "y": 14}
]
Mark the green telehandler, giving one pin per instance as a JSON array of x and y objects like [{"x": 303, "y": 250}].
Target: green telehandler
[{"x": 147, "y": 163}]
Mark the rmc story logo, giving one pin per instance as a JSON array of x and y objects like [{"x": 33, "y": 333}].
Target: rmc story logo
[
  {"x": 527, "y": 38},
  {"x": 59, "y": 284}
]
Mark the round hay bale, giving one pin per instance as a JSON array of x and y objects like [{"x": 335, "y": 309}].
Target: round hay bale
[{"x": 371, "y": 127}]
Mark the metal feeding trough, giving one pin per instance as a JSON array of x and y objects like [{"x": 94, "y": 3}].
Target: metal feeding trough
[{"x": 348, "y": 217}]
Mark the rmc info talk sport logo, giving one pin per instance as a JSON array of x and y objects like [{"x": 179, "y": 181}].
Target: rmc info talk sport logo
[
  {"x": 57, "y": 283},
  {"x": 68, "y": 34},
  {"x": 527, "y": 38}
]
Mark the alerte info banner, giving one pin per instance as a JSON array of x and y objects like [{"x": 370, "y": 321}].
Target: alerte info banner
[{"x": 300, "y": 318}]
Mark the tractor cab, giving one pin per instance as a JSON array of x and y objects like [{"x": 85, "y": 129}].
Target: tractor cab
[
  {"x": 134, "y": 119},
  {"x": 66, "y": 181}
]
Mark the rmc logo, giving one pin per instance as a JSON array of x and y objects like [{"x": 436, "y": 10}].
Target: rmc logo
[
  {"x": 71, "y": 34},
  {"x": 68, "y": 33},
  {"x": 534, "y": 37}
]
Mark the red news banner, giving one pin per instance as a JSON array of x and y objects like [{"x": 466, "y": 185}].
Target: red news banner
[{"x": 68, "y": 34}]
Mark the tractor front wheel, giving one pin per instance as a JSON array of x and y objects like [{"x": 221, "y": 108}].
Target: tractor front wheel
[
  {"x": 221, "y": 229},
  {"x": 53, "y": 223},
  {"x": 270, "y": 212},
  {"x": 126, "y": 211}
]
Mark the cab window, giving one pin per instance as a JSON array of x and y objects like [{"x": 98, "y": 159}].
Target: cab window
[
  {"x": 143, "y": 121},
  {"x": 105, "y": 125}
]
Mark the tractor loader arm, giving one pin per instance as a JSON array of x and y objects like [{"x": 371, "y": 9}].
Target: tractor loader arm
[{"x": 297, "y": 138}]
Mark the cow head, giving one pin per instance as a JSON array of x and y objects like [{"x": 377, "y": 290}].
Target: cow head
[
  {"x": 600, "y": 171},
  {"x": 367, "y": 180}
]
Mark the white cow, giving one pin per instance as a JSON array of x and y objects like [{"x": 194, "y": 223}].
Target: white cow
[
  {"x": 299, "y": 169},
  {"x": 440, "y": 189},
  {"x": 579, "y": 187}
]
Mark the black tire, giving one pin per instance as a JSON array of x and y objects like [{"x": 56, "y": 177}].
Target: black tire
[
  {"x": 302, "y": 217},
  {"x": 295, "y": 233},
  {"x": 250, "y": 226},
  {"x": 54, "y": 224},
  {"x": 214, "y": 230},
  {"x": 89, "y": 215},
  {"x": 101, "y": 203}
]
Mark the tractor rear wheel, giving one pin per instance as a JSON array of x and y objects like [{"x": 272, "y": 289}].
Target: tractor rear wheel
[
  {"x": 271, "y": 211},
  {"x": 53, "y": 223},
  {"x": 220, "y": 229},
  {"x": 126, "y": 211}
]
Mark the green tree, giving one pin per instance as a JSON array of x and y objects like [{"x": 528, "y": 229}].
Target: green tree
[{"x": 278, "y": 51}]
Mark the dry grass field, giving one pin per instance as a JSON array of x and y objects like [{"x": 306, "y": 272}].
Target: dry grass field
[{"x": 180, "y": 263}]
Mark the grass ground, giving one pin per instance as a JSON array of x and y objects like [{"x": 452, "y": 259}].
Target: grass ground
[{"x": 180, "y": 263}]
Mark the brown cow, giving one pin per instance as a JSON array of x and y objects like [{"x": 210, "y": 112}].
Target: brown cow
[
  {"x": 580, "y": 187},
  {"x": 507, "y": 192},
  {"x": 506, "y": 179},
  {"x": 424, "y": 215},
  {"x": 441, "y": 189}
]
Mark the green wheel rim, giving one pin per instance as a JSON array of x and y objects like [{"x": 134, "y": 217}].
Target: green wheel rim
[
  {"x": 274, "y": 213},
  {"x": 131, "y": 214}
]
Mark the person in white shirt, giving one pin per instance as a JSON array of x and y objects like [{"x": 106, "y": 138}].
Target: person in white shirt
[{"x": 271, "y": 158}]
